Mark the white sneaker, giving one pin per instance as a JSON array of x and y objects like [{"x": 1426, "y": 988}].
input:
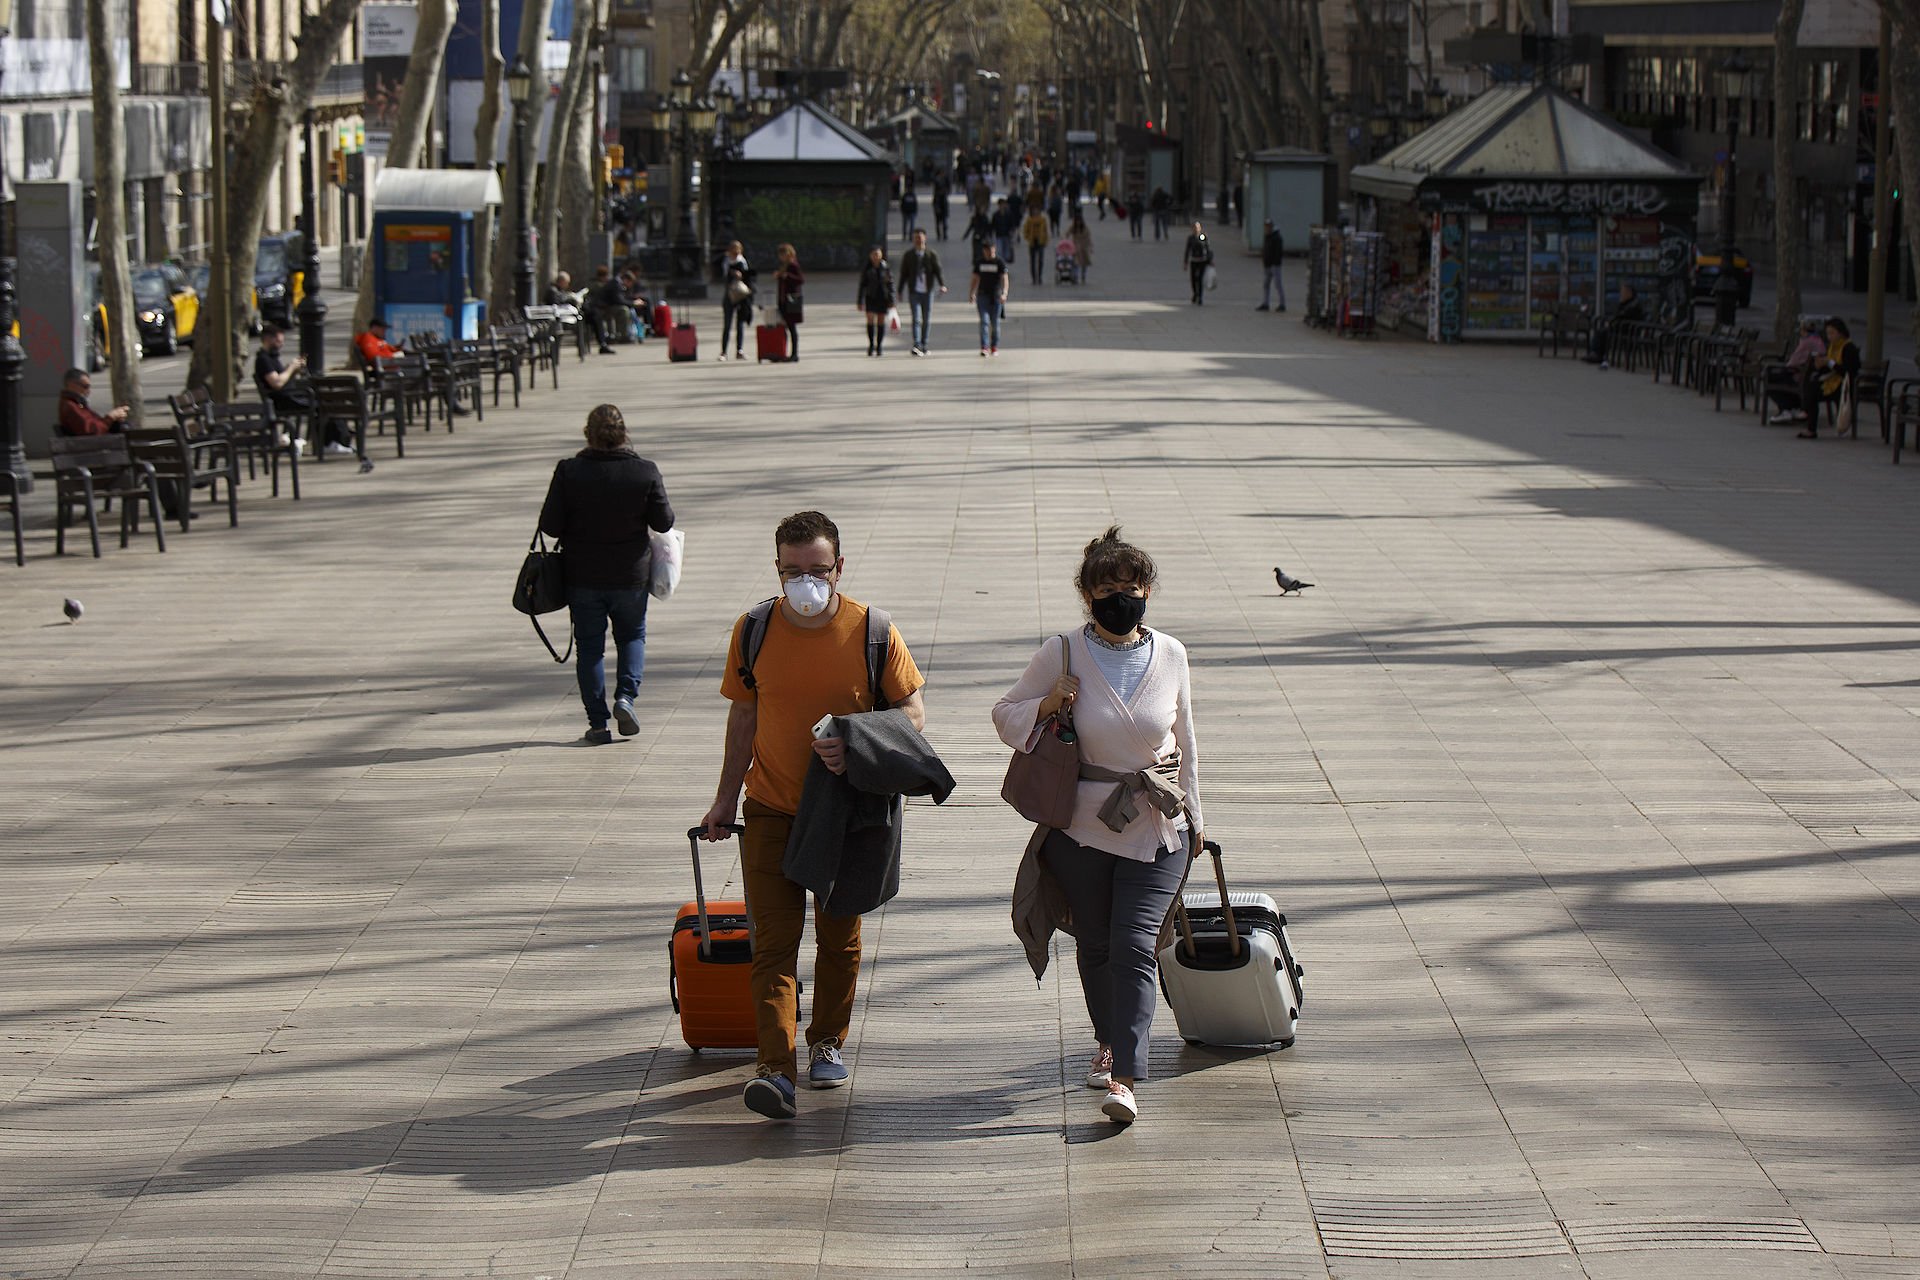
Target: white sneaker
[
  {"x": 1100, "y": 1073},
  {"x": 1120, "y": 1106},
  {"x": 335, "y": 449}
]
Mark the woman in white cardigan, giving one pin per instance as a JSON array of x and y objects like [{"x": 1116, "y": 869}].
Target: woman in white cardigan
[{"x": 1137, "y": 815}]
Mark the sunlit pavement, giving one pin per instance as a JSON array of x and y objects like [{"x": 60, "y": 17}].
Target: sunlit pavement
[{"x": 1585, "y": 772}]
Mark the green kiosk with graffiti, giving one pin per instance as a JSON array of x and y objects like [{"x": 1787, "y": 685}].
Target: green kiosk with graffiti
[
  {"x": 811, "y": 180},
  {"x": 1525, "y": 200}
]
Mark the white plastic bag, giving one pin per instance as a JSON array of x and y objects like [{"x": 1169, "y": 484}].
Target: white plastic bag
[
  {"x": 893, "y": 319},
  {"x": 669, "y": 550},
  {"x": 1211, "y": 279}
]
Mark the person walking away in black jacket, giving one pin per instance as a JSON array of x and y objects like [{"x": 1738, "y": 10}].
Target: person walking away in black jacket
[
  {"x": 942, "y": 200},
  {"x": 736, "y": 300},
  {"x": 600, "y": 505},
  {"x": 1273, "y": 252},
  {"x": 1196, "y": 257},
  {"x": 876, "y": 298}
]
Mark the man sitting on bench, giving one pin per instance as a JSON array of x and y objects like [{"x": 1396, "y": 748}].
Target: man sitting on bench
[{"x": 77, "y": 417}]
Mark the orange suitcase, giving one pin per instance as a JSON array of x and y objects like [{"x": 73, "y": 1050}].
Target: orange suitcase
[{"x": 709, "y": 967}]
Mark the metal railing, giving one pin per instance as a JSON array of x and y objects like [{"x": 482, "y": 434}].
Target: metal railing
[{"x": 343, "y": 82}]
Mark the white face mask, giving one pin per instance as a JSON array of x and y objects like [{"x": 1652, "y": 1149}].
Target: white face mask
[{"x": 809, "y": 595}]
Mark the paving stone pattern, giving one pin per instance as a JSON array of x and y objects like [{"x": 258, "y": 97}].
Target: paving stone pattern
[{"x": 1587, "y": 774}]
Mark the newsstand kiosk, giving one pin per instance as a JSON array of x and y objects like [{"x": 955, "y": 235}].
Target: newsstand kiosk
[{"x": 423, "y": 251}]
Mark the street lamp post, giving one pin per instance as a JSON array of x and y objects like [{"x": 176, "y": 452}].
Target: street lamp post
[
  {"x": 686, "y": 116},
  {"x": 311, "y": 311},
  {"x": 520, "y": 90},
  {"x": 12, "y": 356},
  {"x": 1726, "y": 288}
]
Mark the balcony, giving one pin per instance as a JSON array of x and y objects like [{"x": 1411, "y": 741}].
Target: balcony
[
  {"x": 170, "y": 79},
  {"x": 343, "y": 84}
]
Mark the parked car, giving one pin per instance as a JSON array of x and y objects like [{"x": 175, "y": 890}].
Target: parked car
[
  {"x": 97, "y": 344},
  {"x": 1706, "y": 273},
  {"x": 276, "y": 278},
  {"x": 166, "y": 307}
]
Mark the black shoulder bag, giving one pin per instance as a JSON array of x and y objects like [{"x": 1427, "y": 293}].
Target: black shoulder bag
[{"x": 542, "y": 588}]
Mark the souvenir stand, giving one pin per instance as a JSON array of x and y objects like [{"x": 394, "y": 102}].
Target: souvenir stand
[
  {"x": 1530, "y": 200},
  {"x": 1344, "y": 270}
]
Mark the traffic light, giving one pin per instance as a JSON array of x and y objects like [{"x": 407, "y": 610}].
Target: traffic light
[{"x": 337, "y": 162}]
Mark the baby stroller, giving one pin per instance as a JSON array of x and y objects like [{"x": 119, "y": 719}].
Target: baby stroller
[{"x": 1065, "y": 271}]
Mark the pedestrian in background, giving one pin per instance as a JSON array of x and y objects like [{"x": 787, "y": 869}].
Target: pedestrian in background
[
  {"x": 1136, "y": 215},
  {"x": 1056, "y": 207},
  {"x": 1101, "y": 190},
  {"x": 600, "y": 505},
  {"x": 1116, "y": 866},
  {"x": 1161, "y": 206},
  {"x": 1082, "y": 237},
  {"x": 942, "y": 199},
  {"x": 876, "y": 297},
  {"x": 1005, "y": 223},
  {"x": 1034, "y": 231},
  {"x": 1273, "y": 253},
  {"x": 1196, "y": 257},
  {"x": 787, "y": 280},
  {"x": 988, "y": 293},
  {"x": 909, "y": 206},
  {"x": 921, "y": 277},
  {"x": 736, "y": 300}
]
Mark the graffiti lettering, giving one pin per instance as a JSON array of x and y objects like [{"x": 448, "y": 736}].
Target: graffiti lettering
[
  {"x": 1447, "y": 272},
  {"x": 1570, "y": 197}
]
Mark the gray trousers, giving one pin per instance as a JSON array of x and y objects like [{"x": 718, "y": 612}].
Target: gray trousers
[{"x": 1118, "y": 906}]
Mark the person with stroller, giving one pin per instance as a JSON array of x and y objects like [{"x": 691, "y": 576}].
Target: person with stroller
[
  {"x": 1080, "y": 236},
  {"x": 876, "y": 297},
  {"x": 1124, "y": 854}
]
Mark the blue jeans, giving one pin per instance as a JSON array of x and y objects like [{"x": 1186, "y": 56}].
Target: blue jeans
[
  {"x": 1271, "y": 283},
  {"x": 989, "y": 321},
  {"x": 920, "y": 305},
  {"x": 592, "y": 609}
]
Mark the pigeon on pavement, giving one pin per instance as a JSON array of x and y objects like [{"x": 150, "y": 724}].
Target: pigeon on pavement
[
  {"x": 1288, "y": 585},
  {"x": 72, "y": 609}
]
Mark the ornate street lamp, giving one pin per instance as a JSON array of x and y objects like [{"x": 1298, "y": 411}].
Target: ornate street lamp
[
  {"x": 12, "y": 356},
  {"x": 1726, "y": 288},
  {"x": 689, "y": 117},
  {"x": 519, "y": 90},
  {"x": 312, "y": 311}
]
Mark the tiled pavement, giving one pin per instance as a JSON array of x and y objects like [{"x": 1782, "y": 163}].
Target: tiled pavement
[{"x": 1587, "y": 773}]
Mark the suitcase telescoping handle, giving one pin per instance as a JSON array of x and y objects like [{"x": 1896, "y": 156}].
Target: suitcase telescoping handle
[
  {"x": 699, "y": 887},
  {"x": 1226, "y": 908}
]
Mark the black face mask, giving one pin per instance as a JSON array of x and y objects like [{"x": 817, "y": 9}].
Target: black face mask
[{"x": 1118, "y": 613}]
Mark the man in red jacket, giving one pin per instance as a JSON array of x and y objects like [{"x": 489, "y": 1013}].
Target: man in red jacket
[{"x": 77, "y": 417}]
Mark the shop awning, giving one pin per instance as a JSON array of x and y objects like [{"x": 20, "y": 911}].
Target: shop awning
[
  {"x": 1516, "y": 134},
  {"x": 436, "y": 190},
  {"x": 807, "y": 131}
]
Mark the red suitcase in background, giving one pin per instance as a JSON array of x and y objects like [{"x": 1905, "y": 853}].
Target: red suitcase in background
[
  {"x": 710, "y": 965},
  {"x": 682, "y": 344},
  {"x": 662, "y": 320},
  {"x": 770, "y": 341}
]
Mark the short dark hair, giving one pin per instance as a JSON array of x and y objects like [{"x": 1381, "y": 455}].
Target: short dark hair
[
  {"x": 1110, "y": 558},
  {"x": 803, "y": 527},
  {"x": 376, "y": 323},
  {"x": 606, "y": 428},
  {"x": 272, "y": 331},
  {"x": 1835, "y": 322},
  {"x": 74, "y": 375}
]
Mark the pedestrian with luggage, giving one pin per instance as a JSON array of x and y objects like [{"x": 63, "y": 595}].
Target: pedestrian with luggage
[
  {"x": 736, "y": 300},
  {"x": 788, "y": 279},
  {"x": 920, "y": 273},
  {"x": 1136, "y": 821},
  {"x": 1196, "y": 257},
  {"x": 1273, "y": 253},
  {"x": 808, "y": 655},
  {"x": 987, "y": 291},
  {"x": 600, "y": 504},
  {"x": 876, "y": 298}
]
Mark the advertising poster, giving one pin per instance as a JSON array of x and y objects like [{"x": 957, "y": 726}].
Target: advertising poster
[{"x": 386, "y": 46}]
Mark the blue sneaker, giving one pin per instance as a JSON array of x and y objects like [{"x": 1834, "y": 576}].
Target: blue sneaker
[
  {"x": 771, "y": 1094},
  {"x": 825, "y": 1070},
  {"x": 624, "y": 717}
]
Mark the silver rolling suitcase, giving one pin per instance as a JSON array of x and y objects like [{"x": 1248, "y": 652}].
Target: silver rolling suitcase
[{"x": 1230, "y": 975}]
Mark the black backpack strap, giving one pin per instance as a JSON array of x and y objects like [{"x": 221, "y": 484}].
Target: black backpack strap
[
  {"x": 879, "y": 641},
  {"x": 753, "y": 634}
]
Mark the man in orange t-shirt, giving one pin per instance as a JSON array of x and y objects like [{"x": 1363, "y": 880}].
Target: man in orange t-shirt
[{"x": 812, "y": 663}]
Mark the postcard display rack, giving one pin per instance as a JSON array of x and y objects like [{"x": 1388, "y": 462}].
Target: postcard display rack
[{"x": 1344, "y": 279}]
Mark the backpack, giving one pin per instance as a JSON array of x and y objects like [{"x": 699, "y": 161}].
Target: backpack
[{"x": 753, "y": 634}]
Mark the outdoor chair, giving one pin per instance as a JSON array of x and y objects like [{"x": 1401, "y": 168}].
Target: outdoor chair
[
  {"x": 521, "y": 336},
  {"x": 10, "y": 493},
  {"x": 87, "y": 472},
  {"x": 404, "y": 380},
  {"x": 455, "y": 376},
  {"x": 543, "y": 331},
  {"x": 1745, "y": 375},
  {"x": 502, "y": 360},
  {"x": 251, "y": 430},
  {"x": 343, "y": 398},
  {"x": 181, "y": 465},
  {"x": 1903, "y": 403},
  {"x": 1571, "y": 322},
  {"x": 1870, "y": 388},
  {"x": 190, "y": 409}
]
